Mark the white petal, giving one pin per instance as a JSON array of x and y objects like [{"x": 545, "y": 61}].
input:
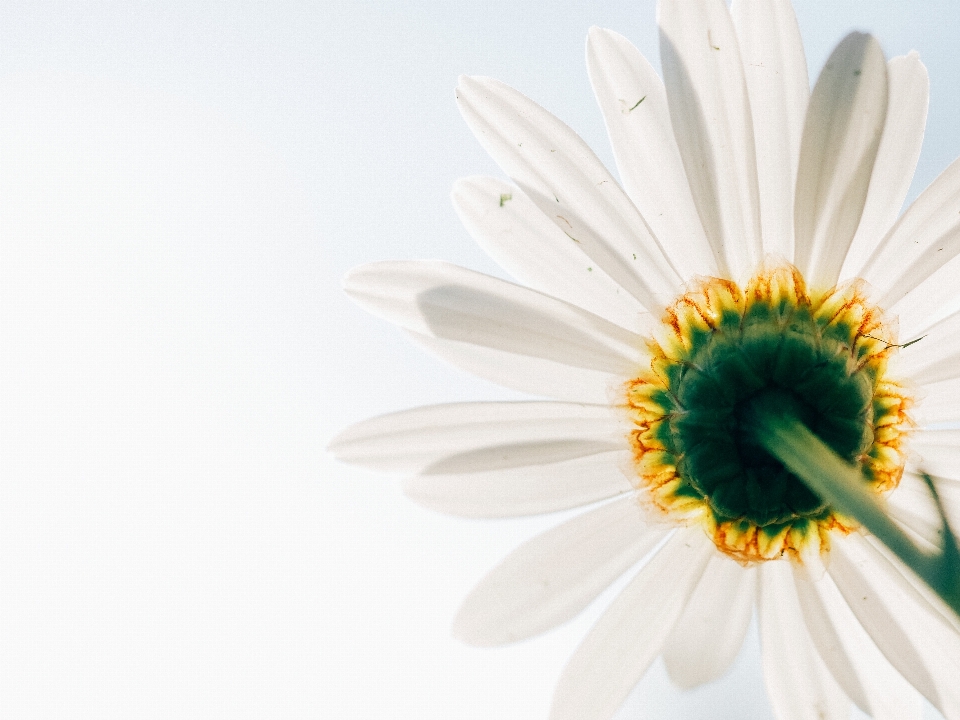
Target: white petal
[
  {"x": 926, "y": 237},
  {"x": 841, "y": 136},
  {"x": 634, "y": 105},
  {"x": 939, "y": 452},
  {"x": 913, "y": 506},
  {"x": 916, "y": 640},
  {"x": 710, "y": 112},
  {"x": 525, "y": 243},
  {"x": 564, "y": 178},
  {"x": 630, "y": 634},
  {"x": 527, "y": 490},
  {"x": 940, "y": 403},
  {"x": 799, "y": 685},
  {"x": 706, "y": 639},
  {"x": 548, "y": 580},
  {"x": 909, "y": 97},
  {"x": 930, "y": 301},
  {"x": 468, "y": 437},
  {"x": 526, "y": 373},
  {"x": 862, "y": 671},
  {"x": 914, "y": 584},
  {"x": 452, "y": 303},
  {"x": 936, "y": 357},
  {"x": 776, "y": 71}
]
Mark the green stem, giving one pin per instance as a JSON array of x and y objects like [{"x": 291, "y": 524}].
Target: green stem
[{"x": 843, "y": 487}]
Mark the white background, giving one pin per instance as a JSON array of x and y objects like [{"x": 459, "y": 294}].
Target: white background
[{"x": 182, "y": 185}]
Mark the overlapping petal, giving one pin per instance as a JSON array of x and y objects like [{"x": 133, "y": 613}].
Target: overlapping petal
[
  {"x": 925, "y": 238},
  {"x": 799, "y": 686},
  {"x": 548, "y": 580},
  {"x": 525, "y": 490},
  {"x": 570, "y": 185},
  {"x": 841, "y": 136},
  {"x": 525, "y": 243},
  {"x": 907, "y": 103},
  {"x": 466, "y": 437},
  {"x": 710, "y": 112},
  {"x": 775, "y": 68},
  {"x": 634, "y": 105},
  {"x": 913, "y": 636},
  {"x": 706, "y": 639},
  {"x": 854, "y": 660},
  {"x": 436, "y": 299},
  {"x": 631, "y": 632}
]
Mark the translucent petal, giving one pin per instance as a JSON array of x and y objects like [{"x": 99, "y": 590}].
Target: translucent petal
[
  {"x": 861, "y": 670},
  {"x": 909, "y": 97},
  {"x": 913, "y": 636},
  {"x": 551, "y": 578},
  {"x": 634, "y": 105},
  {"x": 799, "y": 685},
  {"x": 631, "y": 632},
  {"x": 706, "y": 639},
  {"x": 449, "y": 302},
  {"x": 467, "y": 437},
  {"x": 564, "y": 178},
  {"x": 525, "y": 243},
  {"x": 776, "y": 71},
  {"x": 526, "y": 373},
  {"x": 938, "y": 451},
  {"x": 940, "y": 403},
  {"x": 936, "y": 357},
  {"x": 925, "y": 237},
  {"x": 710, "y": 112},
  {"x": 931, "y": 300},
  {"x": 912, "y": 504},
  {"x": 841, "y": 135},
  {"x": 526, "y": 490}
]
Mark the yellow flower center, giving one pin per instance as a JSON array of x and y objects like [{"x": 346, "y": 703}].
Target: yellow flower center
[{"x": 722, "y": 351}]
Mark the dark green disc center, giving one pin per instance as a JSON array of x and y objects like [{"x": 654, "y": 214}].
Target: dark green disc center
[{"x": 787, "y": 362}]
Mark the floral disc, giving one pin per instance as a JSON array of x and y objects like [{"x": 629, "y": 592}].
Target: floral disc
[{"x": 723, "y": 352}]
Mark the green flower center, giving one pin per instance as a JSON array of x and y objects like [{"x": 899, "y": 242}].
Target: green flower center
[
  {"x": 725, "y": 356},
  {"x": 788, "y": 365}
]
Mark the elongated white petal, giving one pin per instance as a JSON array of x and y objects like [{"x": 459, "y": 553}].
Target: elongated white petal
[
  {"x": 527, "y": 490},
  {"x": 931, "y": 300},
  {"x": 467, "y": 437},
  {"x": 938, "y": 452},
  {"x": 913, "y": 636},
  {"x": 564, "y": 178},
  {"x": 936, "y": 357},
  {"x": 634, "y": 105},
  {"x": 841, "y": 135},
  {"x": 907, "y": 103},
  {"x": 940, "y": 402},
  {"x": 631, "y": 633},
  {"x": 548, "y": 580},
  {"x": 858, "y": 666},
  {"x": 710, "y": 112},
  {"x": 453, "y": 303},
  {"x": 925, "y": 237},
  {"x": 935, "y": 603},
  {"x": 913, "y": 507},
  {"x": 525, "y": 243},
  {"x": 525, "y": 373},
  {"x": 708, "y": 636},
  {"x": 799, "y": 686},
  {"x": 776, "y": 71}
]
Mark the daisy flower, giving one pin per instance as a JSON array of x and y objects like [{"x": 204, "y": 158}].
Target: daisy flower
[{"x": 751, "y": 265}]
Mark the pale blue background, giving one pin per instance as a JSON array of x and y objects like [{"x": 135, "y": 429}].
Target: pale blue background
[{"x": 182, "y": 185}]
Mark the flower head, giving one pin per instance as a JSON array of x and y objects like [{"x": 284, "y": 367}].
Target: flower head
[{"x": 751, "y": 263}]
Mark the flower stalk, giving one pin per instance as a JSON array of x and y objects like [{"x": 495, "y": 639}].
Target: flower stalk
[{"x": 842, "y": 485}]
